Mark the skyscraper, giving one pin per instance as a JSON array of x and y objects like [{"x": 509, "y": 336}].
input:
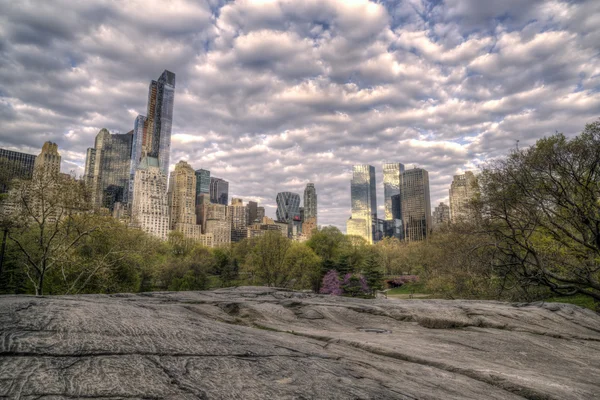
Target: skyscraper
[
  {"x": 219, "y": 191},
  {"x": 15, "y": 165},
  {"x": 363, "y": 221},
  {"x": 48, "y": 161},
  {"x": 108, "y": 167},
  {"x": 441, "y": 214},
  {"x": 310, "y": 202},
  {"x": 150, "y": 208},
  {"x": 462, "y": 191},
  {"x": 202, "y": 182},
  {"x": 288, "y": 206},
  {"x": 237, "y": 215},
  {"x": 182, "y": 201},
  {"x": 139, "y": 129},
  {"x": 392, "y": 181},
  {"x": 156, "y": 135},
  {"x": 416, "y": 207},
  {"x": 251, "y": 212}
]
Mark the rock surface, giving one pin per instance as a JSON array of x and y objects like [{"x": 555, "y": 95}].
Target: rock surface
[{"x": 261, "y": 343}]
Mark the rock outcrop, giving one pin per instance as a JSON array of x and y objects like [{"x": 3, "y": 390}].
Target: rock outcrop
[{"x": 261, "y": 343}]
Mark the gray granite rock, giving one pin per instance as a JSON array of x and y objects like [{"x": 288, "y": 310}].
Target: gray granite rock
[{"x": 261, "y": 343}]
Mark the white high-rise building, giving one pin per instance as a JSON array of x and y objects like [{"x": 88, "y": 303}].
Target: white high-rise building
[{"x": 150, "y": 209}]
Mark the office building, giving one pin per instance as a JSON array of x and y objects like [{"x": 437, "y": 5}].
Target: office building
[
  {"x": 416, "y": 207},
  {"x": 182, "y": 201},
  {"x": 441, "y": 214},
  {"x": 139, "y": 129},
  {"x": 260, "y": 213},
  {"x": 310, "y": 202},
  {"x": 156, "y": 141},
  {"x": 463, "y": 190},
  {"x": 251, "y": 213},
  {"x": 219, "y": 191},
  {"x": 15, "y": 165},
  {"x": 150, "y": 207},
  {"x": 202, "y": 182},
  {"x": 108, "y": 168},
  {"x": 237, "y": 216},
  {"x": 48, "y": 161},
  {"x": 216, "y": 223},
  {"x": 288, "y": 206},
  {"x": 392, "y": 182},
  {"x": 363, "y": 221}
]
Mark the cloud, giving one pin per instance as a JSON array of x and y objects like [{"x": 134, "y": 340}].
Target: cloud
[{"x": 274, "y": 94}]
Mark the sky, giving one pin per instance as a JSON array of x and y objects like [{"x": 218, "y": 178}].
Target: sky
[{"x": 274, "y": 94}]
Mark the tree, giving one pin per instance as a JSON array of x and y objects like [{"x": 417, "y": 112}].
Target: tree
[
  {"x": 331, "y": 284},
  {"x": 372, "y": 272},
  {"x": 304, "y": 266},
  {"x": 327, "y": 243},
  {"x": 266, "y": 259},
  {"x": 50, "y": 215},
  {"x": 541, "y": 206}
]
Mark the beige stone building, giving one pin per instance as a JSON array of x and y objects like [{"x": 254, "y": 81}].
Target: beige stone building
[
  {"x": 150, "y": 208},
  {"x": 463, "y": 189},
  {"x": 182, "y": 201},
  {"x": 48, "y": 160},
  {"x": 217, "y": 224}
]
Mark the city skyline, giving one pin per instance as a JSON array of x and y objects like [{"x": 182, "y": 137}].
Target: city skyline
[{"x": 273, "y": 96}]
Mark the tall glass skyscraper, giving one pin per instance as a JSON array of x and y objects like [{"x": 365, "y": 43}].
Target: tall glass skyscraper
[
  {"x": 219, "y": 191},
  {"x": 202, "y": 183},
  {"x": 108, "y": 168},
  {"x": 156, "y": 139},
  {"x": 416, "y": 207},
  {"x": 392, "y": 182},
  {"x": 310, "y": 202},
  {"x": 363, "y": 195}
]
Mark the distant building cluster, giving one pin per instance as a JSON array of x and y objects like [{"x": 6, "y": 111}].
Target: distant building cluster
[
  {"x": 127, "y": 175},
  {"x": 407, "y": 206}
]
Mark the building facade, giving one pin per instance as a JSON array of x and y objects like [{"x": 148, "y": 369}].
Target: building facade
[
  {"x": 392, "y": 183},
  {"x": 251, "y": 213},
  {"x": 156, "y": 141},
  {"x": 139, "y": 131},
  {"x": 462, "y": 191},
  {"x": 48, "y": 161},
  {"x": 108, "y": 168},
  {"x": 216, "y": 223},
  {"x": 237, "y": 216},
  {"x": 15, "y": 165},
  {"x": 416, "y": 206},
  {"x": 310, "y": 202},
  {"x": 219, "y": 191},
  {"x": 202, "y": 182},
  {"x": 441, "y": 214},
  {"x": 182, "y": 201},
  {"x": 150, "y": 208},
  {"x": 288, "y": 206},
  {"x": 363, "y": 220}
]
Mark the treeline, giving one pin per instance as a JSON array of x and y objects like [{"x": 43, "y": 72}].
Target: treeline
[{"x": 534, "y": 233}]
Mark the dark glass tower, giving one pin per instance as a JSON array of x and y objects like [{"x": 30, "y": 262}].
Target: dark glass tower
[
  {"x": 363, "y": 195},
  {"x": 156, "y": 140},
  {"x": 219, "y": 191},
  {"x": 202, "y": 182},
  {"x": 392, "y": 182},
  {"x": 108, "y": 168},
  {"x": 416, "y": 207},
  {"x": 14, "y": 165}
]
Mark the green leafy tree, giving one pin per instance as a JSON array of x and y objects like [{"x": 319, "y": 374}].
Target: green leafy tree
[
  {"x": 266, "y": 260},
  {"x": 541, "y": 205}
]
